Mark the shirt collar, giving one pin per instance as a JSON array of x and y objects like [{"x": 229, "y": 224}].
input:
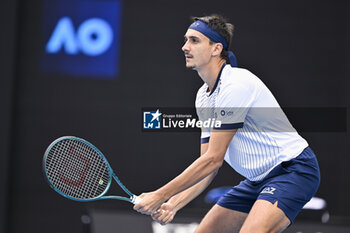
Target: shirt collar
[{"x": 217, "y": 79}]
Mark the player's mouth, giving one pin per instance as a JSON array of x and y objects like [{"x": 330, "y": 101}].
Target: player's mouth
[{"x": 188, "y": 56}]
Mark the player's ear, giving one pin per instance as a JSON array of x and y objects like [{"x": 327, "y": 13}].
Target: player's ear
[{"x": 217, "y": 48}]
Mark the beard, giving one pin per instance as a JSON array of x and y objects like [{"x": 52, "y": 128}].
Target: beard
[{"x": 192, "y": 67}]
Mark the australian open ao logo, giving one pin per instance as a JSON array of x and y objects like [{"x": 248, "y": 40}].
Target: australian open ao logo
[
  {"x": 82, "y": 38},
  {"x": 152, "y": 119},
  {"x": 93, "y": 37}
]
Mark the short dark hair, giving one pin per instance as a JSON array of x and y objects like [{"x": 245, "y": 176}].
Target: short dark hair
[{"x": 219, "y": 24}]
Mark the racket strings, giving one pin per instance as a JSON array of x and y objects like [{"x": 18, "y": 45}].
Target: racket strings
[{"x": 77, "y": 170}]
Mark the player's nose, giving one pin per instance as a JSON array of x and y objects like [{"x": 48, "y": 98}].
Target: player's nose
[{"x": 185, "y": 47}]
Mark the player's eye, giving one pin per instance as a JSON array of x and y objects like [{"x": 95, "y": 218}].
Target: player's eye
[
  {"x": 191, "y": 40},
  {"x": 194, "y": 40}
]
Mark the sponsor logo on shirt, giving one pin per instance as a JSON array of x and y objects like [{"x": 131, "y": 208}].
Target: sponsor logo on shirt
[{"x": 227, "y": 113}]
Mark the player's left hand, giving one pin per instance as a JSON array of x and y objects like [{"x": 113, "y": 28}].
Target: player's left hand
[
  {"x": 165, "y": 214},
  {"x": 150, "y": 203}
]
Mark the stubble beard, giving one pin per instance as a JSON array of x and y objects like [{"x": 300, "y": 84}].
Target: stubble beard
[{"x": 192, "y": 67}]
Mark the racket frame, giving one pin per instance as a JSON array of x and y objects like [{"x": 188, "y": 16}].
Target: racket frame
[{"x": 132, "y": 199}]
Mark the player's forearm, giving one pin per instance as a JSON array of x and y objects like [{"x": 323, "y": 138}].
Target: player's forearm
[
  {"x": 198, "y": 170},
  {"x": 182, "y": 199}
]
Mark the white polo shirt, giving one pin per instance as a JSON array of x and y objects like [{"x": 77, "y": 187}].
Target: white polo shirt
[{"x": 264, "y": 138}]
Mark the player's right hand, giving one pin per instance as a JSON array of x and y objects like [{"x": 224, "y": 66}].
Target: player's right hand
[{"x": 165, "y": 214}]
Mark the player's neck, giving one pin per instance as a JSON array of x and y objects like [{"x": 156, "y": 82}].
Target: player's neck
[{"x": 210, "y": 73}]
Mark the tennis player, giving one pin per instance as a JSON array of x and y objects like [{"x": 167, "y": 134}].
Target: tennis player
[{"x": 255, "y": 139}]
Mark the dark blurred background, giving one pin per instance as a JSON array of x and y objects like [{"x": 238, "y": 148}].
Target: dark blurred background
[{"x": 300, "y": 49}]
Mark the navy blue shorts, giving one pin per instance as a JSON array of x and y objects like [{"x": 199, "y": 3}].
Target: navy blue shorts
[{"x": 292, "y": 183}]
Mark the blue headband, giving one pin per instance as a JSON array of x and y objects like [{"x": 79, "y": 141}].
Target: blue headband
[{"x": 215, "y": 37}]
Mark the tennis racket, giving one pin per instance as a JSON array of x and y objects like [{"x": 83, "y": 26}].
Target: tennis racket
[{"x": 77, "y": 170}]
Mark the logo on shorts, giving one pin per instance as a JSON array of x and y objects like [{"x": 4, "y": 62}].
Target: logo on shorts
[{"x": 269, "y": 190}]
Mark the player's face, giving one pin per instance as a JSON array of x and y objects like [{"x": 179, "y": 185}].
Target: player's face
[{"x": 197, "y": 49}]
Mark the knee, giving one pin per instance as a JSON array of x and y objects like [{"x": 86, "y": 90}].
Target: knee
[{"x": 255, "y": 228}]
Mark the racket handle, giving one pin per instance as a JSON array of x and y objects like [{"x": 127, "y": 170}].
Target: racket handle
[{"x": 135, "y": 199}]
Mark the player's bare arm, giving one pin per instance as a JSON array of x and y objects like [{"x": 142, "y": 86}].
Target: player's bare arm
[
  {"x": 198, "y": 170},
  {"x": 166, "y": 213}
]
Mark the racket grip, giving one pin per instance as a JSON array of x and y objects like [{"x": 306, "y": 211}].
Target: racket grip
[{"x": 135, "y": 199}]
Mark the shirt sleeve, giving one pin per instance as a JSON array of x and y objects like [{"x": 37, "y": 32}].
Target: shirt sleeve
[
  {"x": 205, "y": 136},
  {"x": 205, "y": 133},
  {"x": 233, "y": 103},
  {"x": 202, "y": 114}
]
